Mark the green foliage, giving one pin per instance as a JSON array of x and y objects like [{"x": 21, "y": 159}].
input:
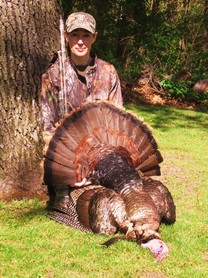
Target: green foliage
[
  {"x": 32, "y": 245},
  {"x": 135, "y": 33},
  {"x": 177, "y": 89},
  {"x": 181, "y": 90}
]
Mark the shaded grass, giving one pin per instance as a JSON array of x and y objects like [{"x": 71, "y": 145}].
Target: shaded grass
[{"x": 32, "y": 245}]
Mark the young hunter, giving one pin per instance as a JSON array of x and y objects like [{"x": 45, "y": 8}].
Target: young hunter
[{"x": 87, "y": 78}]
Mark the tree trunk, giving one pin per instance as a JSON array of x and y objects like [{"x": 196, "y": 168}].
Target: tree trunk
[{"x": 29, "y": 36}]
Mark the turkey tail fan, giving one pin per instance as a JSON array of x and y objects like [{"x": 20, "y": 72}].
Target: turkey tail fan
[{"x": 93, "y": 125}]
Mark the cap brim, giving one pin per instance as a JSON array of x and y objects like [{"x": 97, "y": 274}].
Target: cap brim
[{"x": 80, "y": 26}]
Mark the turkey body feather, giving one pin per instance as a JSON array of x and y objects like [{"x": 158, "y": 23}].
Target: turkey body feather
[{"x": 116, "y": 153}]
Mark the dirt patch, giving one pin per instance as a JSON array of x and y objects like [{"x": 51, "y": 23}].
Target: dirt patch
[
  {"x": 205, "y": 256},
  {"x": 18, "y": 194},
  {"x": 148, "y": 274}
]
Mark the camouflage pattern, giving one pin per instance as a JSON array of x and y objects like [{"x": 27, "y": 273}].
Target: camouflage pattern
[
  {"x": 102, "y": 84},
  {"x": 81, "y": 20}
]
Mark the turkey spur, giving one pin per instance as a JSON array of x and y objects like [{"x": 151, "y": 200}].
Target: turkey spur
[{"x": 107, "y": 157}]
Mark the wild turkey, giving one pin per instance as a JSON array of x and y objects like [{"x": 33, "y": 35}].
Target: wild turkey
[{"x": 115, "y": 152}]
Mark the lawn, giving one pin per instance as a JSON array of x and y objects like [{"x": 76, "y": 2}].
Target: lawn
[{"x": 32, "y": 245}]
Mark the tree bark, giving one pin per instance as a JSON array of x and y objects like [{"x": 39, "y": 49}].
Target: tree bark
[{"x": 29, "y": 36}]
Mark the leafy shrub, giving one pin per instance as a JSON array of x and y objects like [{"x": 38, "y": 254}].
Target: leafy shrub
[{"x": 182, "y": 90}]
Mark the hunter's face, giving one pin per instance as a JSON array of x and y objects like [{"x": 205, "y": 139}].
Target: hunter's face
[{"x": 80, "y": 42}]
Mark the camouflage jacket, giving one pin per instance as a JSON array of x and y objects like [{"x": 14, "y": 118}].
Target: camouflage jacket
[{"x": 101, "y": 82}]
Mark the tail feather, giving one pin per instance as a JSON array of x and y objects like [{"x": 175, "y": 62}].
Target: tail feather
[
  {"x": 155, "y": 171},
  {"x": 58, "y": 174},
  {"x": 152, "y": 162},
  {"x": 58, "y": 146},
  {"x": 147, "y": 151},
  {"x": 59, "y": 159},
  {"x": 100, "y": 134}
]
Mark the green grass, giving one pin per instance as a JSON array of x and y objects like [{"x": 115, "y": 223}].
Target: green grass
[{"x": 32, "y": 245}]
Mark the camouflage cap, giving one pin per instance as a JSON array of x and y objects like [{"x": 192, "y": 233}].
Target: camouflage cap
[{"x": 80, "y": 20}]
